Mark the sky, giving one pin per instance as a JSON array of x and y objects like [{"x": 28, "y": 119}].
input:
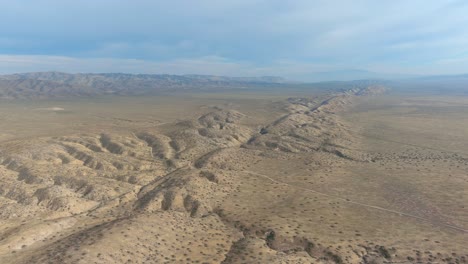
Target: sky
[{"x": 295, "y": 39}]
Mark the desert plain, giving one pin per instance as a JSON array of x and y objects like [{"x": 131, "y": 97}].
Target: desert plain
[{"x": 357, "y": 175}]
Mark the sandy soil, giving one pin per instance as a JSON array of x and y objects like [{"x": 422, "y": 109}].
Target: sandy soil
[{"x": 351, "y": 177}]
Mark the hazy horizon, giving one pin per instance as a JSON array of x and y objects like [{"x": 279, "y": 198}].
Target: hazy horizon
[{"x": 233, "y": 132}]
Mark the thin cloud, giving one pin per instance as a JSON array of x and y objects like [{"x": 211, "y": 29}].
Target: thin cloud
[{"x": 250, "y": 36}]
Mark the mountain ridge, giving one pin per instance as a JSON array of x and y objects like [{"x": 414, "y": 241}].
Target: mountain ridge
[{"x": 58, "y": 84}]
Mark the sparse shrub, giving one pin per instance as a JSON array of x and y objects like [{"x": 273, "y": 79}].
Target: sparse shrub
[
  {"x": 384, "y": 252},
  {"x": 334, "y": 257}
]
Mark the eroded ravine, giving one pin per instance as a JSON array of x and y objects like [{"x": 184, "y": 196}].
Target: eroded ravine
[{"x": 152, "y": 196}]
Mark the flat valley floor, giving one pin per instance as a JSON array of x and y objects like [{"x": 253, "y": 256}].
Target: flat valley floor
[{"x": 360, "y": 176}]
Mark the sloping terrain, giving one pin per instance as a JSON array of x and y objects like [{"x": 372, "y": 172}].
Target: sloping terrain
[
  {"x": 306, "y": 187},
  {"x": 55, "y": 84},
  {"x": 47, "y": 85}
]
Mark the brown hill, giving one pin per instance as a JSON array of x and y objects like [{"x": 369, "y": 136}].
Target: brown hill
[{"x": 57, "y": 84}]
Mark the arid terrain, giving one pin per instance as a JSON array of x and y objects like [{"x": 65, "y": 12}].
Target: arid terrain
[{"x": 358, "y": 174}]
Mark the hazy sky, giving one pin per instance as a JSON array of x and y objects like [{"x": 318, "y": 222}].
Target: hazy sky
[{"x": 238, "y": 37}]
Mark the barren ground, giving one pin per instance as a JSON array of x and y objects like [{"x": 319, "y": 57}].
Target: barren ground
[{"x": 354, "y": 177}]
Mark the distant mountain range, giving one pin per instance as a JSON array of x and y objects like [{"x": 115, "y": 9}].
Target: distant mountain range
[
  {"x": 58, "y": 84},
  {"x": 38, "y": 85}
]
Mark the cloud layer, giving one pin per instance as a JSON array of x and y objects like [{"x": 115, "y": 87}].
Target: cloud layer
[{"x": 266, "y": 37}]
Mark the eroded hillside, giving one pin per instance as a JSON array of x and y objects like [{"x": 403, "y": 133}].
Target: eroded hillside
[
  {"x": 42, "y": 85},
  {"x": 220, "y": 188}
]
